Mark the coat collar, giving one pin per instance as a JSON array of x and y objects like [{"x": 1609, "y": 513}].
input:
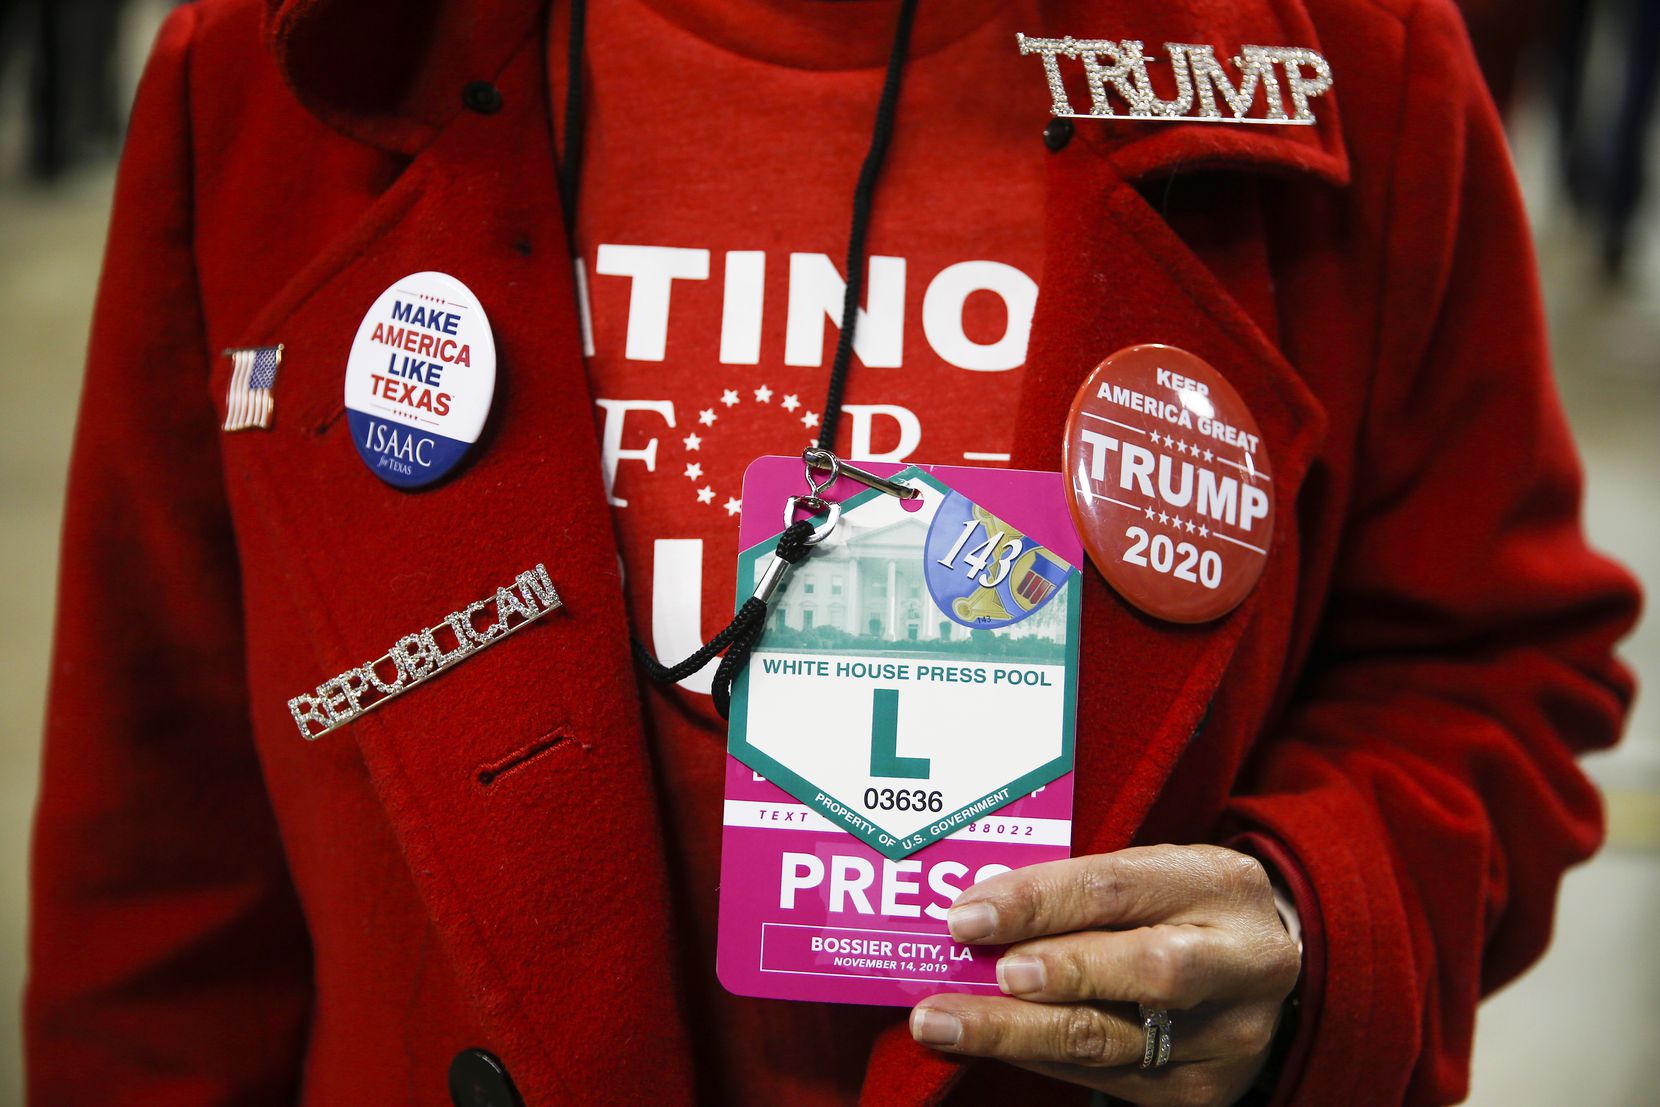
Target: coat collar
[
  {"x": 1143, "y": 148},
  {"x": 408, "y": 62},
  {"x": 390, "y": 72}
]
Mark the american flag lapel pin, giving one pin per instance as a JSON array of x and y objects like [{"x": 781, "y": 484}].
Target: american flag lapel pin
[{"x": 248, "y": 398}]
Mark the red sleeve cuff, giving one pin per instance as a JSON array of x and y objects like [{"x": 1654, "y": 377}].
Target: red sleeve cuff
[{"x": 1288, "y": 874}]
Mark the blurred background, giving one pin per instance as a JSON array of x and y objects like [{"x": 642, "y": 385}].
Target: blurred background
[{"x": 1576, "y": 80}]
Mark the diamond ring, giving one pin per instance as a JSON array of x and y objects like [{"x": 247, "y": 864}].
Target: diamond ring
[{"x": 1155, "y": 1023}]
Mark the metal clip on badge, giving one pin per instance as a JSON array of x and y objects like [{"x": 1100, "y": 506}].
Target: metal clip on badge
[
  {"x": 815, "y": 458},
  {"x": 797, "y": 540},
  {"x": 815, "y": 461}
]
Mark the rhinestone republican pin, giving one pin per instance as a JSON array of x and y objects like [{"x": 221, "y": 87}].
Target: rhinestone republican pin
[{"x": 418, "y": 657}]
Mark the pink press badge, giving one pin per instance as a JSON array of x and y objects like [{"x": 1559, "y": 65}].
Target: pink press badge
[{"x": 902, "y": 730}]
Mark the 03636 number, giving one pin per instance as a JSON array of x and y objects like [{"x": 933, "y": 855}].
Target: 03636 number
[
  {"x": 903, "y": 799},
  {"x": 1177, "y": 559}
]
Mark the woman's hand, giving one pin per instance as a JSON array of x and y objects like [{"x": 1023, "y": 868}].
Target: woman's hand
[{"x": 1191, "y": 929}]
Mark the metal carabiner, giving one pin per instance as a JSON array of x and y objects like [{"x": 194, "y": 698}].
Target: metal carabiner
[
  {"x": 815, "y": 488},
  {"x": 778, "y": 567},
  {"x": 814, "y": 500},
  {"x": 815, "y": 505},
  {"x": 816, "y": 457}
]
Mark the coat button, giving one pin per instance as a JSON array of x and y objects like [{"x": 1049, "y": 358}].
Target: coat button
[
  {"x": 482, "y": 97},
  {"x": 479, "y": 1079},
  {"x": 1058, "y": 133}
]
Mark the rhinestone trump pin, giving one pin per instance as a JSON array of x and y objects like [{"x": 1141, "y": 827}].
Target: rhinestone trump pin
[{"x": 1121, "y": 86}]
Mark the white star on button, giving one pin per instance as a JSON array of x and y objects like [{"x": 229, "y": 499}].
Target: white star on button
[
  {"x": 707, "y": 416},
  {"x": 705, "y": 494},
  {"x": 790, "y": 402},
  {"x": 763, "y": 395},
  {"x": 729, "y": 397}
]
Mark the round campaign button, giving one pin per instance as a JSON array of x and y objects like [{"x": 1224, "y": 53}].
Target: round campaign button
[
  {"x": 1169, "y": 483},
  {"x": 419, "y": 379}
]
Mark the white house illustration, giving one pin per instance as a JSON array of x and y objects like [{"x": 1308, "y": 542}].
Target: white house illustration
[{"x": 880, "y": 593}]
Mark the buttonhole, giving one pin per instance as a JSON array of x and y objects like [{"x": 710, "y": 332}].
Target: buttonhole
[
  {"x": 1199, "y": 727},
  {"x": 489, "y": 773},
  {"x": 327, "y": 424}
]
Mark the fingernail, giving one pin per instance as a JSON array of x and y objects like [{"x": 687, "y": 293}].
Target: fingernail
[
  {"x": 1020, "y": 975},
  {"x": 931, "y": 1027},
  {"x": 972, "y": 921}
]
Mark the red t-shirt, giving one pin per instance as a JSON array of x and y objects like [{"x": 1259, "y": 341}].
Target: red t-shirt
[{"x": 724, "y": 139}]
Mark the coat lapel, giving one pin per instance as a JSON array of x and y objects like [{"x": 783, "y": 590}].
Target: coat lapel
[
  {"x": 1145, "y": 148},
  {"x": 1116, "y": 275},
  {"x": 516, "y": 783},
  {"x": 401, "y": 83}
]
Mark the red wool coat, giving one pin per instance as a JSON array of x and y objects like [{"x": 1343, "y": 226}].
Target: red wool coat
[{"x": 225, "y": 914}]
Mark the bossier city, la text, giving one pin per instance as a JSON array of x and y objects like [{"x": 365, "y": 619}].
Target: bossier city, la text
[{"x": 416, "y": 657}]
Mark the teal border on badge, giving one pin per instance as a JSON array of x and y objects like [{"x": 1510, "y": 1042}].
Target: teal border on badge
[{"x": 841, "y": 813}]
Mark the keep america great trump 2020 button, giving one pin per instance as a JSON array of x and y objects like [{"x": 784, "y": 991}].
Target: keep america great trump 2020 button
[{"x": 1169, "y": 483}]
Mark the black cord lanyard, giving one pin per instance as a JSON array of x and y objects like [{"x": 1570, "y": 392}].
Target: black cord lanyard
[{"x": 799, "y": 537}]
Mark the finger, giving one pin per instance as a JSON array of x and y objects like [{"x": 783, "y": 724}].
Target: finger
[
  {"x": 1199, "y": 1085},
  {"x": 1217, "y": 1056},
  {"x": 1239, "y": 1034},
  {"x": 1174, "y": 967},
  {"x": 1014, "y": 1030},
  {"x": 1132, "y": 887}
]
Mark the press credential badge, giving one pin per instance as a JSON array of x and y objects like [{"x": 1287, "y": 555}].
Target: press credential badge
[{"x": 902, "y": 730}]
